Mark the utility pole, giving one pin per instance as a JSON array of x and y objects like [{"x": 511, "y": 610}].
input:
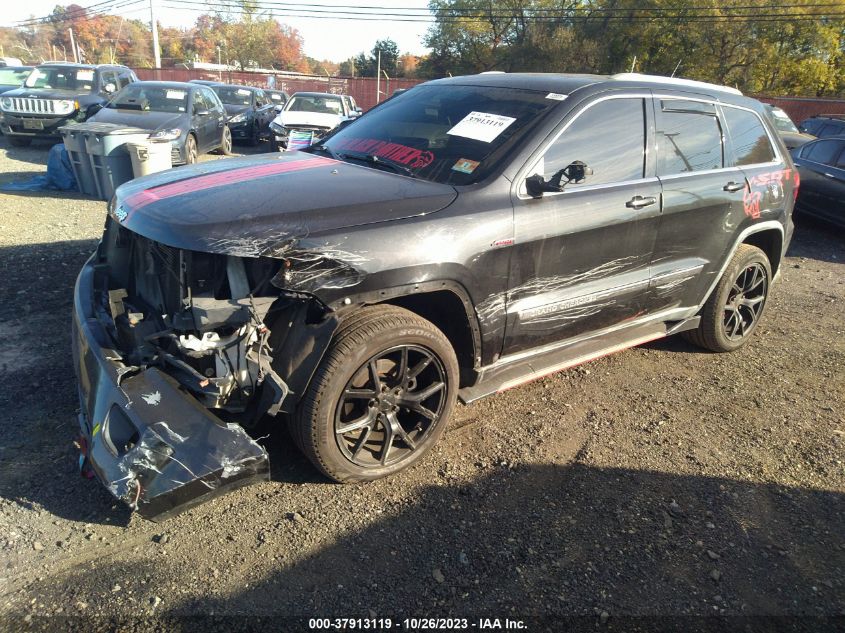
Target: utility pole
[
  {"x": 154, "y": 26},
  {"x": 378, "y": 78},
  {"x": 73, "y": 46}
]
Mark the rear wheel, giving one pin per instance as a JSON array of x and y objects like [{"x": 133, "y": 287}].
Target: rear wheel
[
  {"x": 380, "y": 399},
  {"x": 191, "y": 154},
  {"x": 733, "y": 310},
  {"x": 20, "y": 141}
]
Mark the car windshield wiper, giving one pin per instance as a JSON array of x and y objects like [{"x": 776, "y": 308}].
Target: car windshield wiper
[
  {"x": 327, "y": 150},
  {"x": 378, "y": 160}
]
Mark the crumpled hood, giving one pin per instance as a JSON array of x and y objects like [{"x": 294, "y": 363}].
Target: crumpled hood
[
  {"x": 144, "y": 120},
  {"x": 317, "y": 119},
  {"x": 262, "y": 205}
]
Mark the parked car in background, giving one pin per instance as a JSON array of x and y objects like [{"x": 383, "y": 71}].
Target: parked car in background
[
  {"x": 249, "y": 110},
  {"x": 12, "y": 77},
  {"x": 821, "y": 164},
  {"x": 822, "y": 125},
  {"x": 279, "y": 98},
  {"x": 789, "y": 133},
  {"x": 467, "y": 237},
  {"x": 55, "y": 94},
  {"x": 10, "y": 61},
  {"x": 190, "y": 116},
  {"x": 314, "y": 114}
]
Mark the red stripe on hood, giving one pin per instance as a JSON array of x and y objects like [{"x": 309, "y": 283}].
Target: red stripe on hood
[{"x": 220, "y": 179}]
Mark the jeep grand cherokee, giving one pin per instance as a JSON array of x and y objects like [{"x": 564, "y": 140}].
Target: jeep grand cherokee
[{"x": 463, "y": 238}]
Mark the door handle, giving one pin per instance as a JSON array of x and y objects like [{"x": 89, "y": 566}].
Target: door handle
[
  {"x": 734, "y": 186},
  {"x": 827, "y": 175},
  {"x": 638, "y": 202}
]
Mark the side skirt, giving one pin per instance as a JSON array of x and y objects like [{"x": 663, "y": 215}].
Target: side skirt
[{"x": 506, "y": 374}]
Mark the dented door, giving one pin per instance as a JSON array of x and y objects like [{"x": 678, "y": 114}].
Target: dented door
[{"x": 581, "y": 256}]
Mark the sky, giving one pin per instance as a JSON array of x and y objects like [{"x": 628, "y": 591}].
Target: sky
[{"x": 333, "y": 39}]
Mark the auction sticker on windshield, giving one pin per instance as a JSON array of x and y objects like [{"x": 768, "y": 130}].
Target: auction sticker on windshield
[
  {"x": 84, "y": 75},
  {"x": 175, "y": 94},
  {"x": 481, "y": 126}
]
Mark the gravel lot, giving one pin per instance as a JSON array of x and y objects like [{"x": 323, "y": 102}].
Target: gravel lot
[{"x": 662, "y": 481}]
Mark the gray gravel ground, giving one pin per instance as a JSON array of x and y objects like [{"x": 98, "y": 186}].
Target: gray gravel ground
[{"x": 662, "y": 481}]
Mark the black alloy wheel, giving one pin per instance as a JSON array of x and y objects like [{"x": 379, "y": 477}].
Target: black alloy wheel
[
  {"x": 381, "y": 397},
  {"x": 745, "y": 301},
  {"x": 732, "y": 311},
  {"x": 390, "y": 406}
]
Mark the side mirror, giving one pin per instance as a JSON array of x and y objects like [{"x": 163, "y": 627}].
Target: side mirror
[
  {"x": 110, "y": 88},
  {"x": 536, "y": 186},
  {"x": 575, "y": 172}
]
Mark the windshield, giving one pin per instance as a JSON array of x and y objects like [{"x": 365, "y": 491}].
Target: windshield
[
  {"x": 233, "y": 96},
  {"x": 315, "y": 103},
  {"x": 79, "y": 79},
  {"x": 277, "y": 96},
  {"x": 445, "y": 133},
  {"x": 137, "y": 96},
  {"x": 12, "y": 77},
  {"x": 782, "y": 121}
]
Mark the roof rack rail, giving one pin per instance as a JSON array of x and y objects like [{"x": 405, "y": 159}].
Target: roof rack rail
[
  {"x": 837, "y": 115},
  {"x": 659, "y": 79}
]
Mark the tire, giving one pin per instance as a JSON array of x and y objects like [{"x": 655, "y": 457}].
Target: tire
[
  {"x": 20, "y": 141},
  {"x": 399, "y": 417},
  {"x": 733, "y": 310},
  {"x": 191, "y": 153},
  {"x": 225, "y": 142}
]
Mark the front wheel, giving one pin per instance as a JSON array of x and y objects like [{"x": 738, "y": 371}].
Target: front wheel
[
  {"x": 380, "y": 399},
  {"x": 734, "y": 308},
  {"x": 191, "y": 153}
]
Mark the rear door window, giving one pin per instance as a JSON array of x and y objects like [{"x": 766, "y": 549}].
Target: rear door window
[
  {"x": 823, "y": 152},
  {"x": 609, "y": 137},
  {"x": 831, "y": 129},
  {"x": 689, "y": 137},
  {"x": 751, "y": 144}
]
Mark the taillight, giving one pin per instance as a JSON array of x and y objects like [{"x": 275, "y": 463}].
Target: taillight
[{"x": 796, "y": 183}]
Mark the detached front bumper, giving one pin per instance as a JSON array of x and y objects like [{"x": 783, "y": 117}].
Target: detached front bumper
[{"x": 152, "y": 445}]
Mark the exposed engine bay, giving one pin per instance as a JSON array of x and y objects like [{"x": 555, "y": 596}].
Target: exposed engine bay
[{"x": 199, "y": 317}]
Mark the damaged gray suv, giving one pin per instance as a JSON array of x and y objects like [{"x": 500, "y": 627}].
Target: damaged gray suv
[{"x": 465, "y": 237}]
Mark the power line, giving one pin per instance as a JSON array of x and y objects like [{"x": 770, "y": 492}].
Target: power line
[
  {"x": 83, "y": 12},
  {"x": 301, "y": 6},
  {"x": 479, "y": 16},
  {"x": 270, "y": 5}
]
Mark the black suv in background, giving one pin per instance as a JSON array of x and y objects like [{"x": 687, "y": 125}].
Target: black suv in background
[
  {"x": 57, "y": 93},
  {"x": 823, "y": 125},
  {"x": 461, "y": 239}
]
